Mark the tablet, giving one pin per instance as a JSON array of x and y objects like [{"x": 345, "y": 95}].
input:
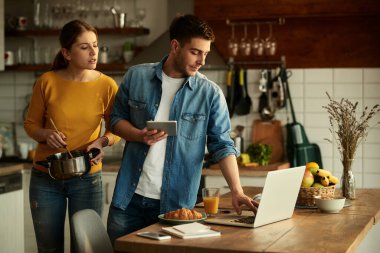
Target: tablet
[{"x": 169, "y": 127}]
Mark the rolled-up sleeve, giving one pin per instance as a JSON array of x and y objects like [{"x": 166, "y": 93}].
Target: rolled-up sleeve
[
  {"x": 219, "y": 142},
  {"x": 120, "y": 106}
]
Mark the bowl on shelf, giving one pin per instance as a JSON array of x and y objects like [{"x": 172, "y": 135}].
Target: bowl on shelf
[{"x": 329, "y": 205}]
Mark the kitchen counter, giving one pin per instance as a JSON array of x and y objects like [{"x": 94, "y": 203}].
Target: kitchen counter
[
  {"x": 11, "y": 168},
  {"x": 113, "y": 165},
  {"x": 308, "y": 230}
]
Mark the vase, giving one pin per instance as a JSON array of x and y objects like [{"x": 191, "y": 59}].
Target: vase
[{"x": 348, "y": 180}]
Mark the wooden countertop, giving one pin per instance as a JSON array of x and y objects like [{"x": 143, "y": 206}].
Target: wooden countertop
[
  {"x": 113, "y": 165},
  {"x": 10, "y": 168},
  {"x": 309, "y": 230}
]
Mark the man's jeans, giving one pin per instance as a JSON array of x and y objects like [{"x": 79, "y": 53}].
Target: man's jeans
[
  {"x": 141, "y": 212},
  {"x": 49, "y": 199}
]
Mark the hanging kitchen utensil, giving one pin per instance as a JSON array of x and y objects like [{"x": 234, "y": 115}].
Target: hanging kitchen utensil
[
  {"x": 267, "y": 112},
  {"x": 229, "y": 88},
  {"x": 263, "y": 99},
  {"x": 279, "y": 93},
  {"x": 244, "y": 105},
  {"x": 299, "y": 150}
]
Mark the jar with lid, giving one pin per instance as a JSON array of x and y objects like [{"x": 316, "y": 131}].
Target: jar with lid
[{"x": 103, "y": 55}]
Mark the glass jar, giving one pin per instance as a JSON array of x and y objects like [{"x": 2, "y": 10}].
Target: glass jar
[
  {"x": 103, "y": 55},
  {"x": 348, "y": 180}
]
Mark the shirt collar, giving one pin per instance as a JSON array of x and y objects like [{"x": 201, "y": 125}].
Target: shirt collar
[{"x": 189, "y": 81}]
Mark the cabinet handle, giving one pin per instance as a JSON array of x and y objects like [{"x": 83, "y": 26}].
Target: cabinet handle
[{"x": 107, "y": 201}]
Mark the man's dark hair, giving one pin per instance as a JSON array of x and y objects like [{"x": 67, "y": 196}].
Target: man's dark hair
[{"x": 184, "y": 28}]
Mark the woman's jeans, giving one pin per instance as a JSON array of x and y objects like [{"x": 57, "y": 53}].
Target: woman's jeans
[
  {"x": 141, "y": 212},
  {"x": 48, "y": 201}
]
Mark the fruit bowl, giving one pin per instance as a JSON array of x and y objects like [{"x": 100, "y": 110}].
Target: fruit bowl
[{"x": 329, "y": 205}]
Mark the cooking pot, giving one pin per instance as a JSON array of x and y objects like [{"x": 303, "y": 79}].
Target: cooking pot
[{"x": 63, "y": 166}]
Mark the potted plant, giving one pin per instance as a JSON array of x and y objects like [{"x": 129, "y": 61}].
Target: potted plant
[{"x": 128, "y": 51}]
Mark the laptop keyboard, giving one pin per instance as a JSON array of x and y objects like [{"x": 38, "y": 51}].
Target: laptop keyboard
[{"x": 246, "y": 220}]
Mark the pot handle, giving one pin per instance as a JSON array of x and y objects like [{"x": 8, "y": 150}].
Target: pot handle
[
  {"x": 93, "y": 152},
  {"x": 45, "y": 164}
]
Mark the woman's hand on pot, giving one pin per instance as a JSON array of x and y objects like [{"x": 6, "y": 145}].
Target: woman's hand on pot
[
  {"x": 55, "y": 139},
  {"x": 97, "y": 144}
]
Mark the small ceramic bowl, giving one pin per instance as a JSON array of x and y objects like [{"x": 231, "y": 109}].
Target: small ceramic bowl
[{"x": 329, "y": 205}]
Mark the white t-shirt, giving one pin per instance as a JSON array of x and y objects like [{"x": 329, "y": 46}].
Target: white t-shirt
[{"x": 151, "y": 177}]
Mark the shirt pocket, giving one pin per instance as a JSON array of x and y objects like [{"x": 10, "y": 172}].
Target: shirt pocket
[
  {"x": 192, "y": 125},
  {"x": 138, "y": 113}
]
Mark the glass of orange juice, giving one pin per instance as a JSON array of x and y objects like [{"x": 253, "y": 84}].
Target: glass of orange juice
[{"x": 211, "y": 200}]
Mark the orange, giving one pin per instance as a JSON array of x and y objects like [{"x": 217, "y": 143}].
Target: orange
[{"x": 312, "y": 165}]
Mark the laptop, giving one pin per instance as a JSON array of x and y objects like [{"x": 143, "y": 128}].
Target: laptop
[{"x": 277, "y": 201}]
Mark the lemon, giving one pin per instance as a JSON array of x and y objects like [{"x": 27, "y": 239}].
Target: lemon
[{"x": 312, "y": 165}]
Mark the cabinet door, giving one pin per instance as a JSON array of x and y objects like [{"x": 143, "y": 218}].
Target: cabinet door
[
  {"x": 29, "y": 235},
  {"x": 109, "y": 179}
]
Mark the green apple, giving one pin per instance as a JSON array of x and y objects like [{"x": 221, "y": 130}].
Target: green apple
[
  {"x": 317, "y": 185},
  {"x": 307, "y": 179},
  {"x": 313, "y": 170}
]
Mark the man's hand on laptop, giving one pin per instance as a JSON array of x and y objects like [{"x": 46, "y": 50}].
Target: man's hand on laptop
[{"x": 239, "y": 199}]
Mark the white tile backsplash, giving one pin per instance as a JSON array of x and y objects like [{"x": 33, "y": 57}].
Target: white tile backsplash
[
  {"x": 371, "y": 75},
  {"x": 308, "y": 87},
  {"x": 348, "y": 90},
  {"x": 318, "y": 76},
  {"x": 372, "y": 90},
  {"x": 317, "y": 90},
  {"x": 348, "y": 76}
]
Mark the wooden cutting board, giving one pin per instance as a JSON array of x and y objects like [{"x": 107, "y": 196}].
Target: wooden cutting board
[{"x": 270, "y": 133}]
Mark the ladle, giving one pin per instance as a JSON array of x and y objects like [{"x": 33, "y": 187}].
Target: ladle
[{"x": 56, "y": 129}]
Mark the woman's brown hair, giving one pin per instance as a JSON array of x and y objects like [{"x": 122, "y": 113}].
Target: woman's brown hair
[{"x": 67, "y": 37}]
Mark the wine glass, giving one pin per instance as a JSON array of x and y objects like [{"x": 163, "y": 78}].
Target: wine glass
[
  {"x": 258, "y": 43},
  {"x": 233, "y": 45},
  {"x": 245, "y": 44},
  {"x": 140, "y": 16},
  {"x": 270, "y": 43}
]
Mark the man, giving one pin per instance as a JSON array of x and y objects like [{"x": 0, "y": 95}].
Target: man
[{"x": 161, "y": 173}]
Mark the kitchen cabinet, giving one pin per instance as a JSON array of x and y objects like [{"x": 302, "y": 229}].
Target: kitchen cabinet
[
  {"x": 11, "y": 213},
  {"x": 220, "y": 182},
  {"x": 316, "y": 33},
  {"x": 30, "y": 243},
  {"x": 109, "y": 180},
  {"x": 213, "y": 177}
]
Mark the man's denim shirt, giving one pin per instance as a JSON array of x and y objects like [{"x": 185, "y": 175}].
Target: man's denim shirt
[{"x": 201, "y": 112}]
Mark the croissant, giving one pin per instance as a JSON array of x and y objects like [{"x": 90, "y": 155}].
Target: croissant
[{"x": 183, "y": 214}]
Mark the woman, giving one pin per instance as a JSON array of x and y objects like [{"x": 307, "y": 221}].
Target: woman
[{"x": 75, "y": 98}]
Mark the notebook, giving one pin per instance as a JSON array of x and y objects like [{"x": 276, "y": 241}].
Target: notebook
[
  {"x": 191, "y": 230},
  {"x": 277, "y": 201}
]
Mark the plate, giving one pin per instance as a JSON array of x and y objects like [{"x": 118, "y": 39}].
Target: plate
[{"x": 176, "y": 222}]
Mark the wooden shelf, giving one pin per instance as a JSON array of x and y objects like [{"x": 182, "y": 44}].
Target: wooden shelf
[{"x": 127, "y": 31}]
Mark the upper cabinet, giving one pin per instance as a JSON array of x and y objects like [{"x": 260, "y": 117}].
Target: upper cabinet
[{"x": 316, "y": 33}]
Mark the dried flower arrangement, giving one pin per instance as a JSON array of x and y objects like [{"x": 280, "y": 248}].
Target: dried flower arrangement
[{"x": 349, "y": 130}]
